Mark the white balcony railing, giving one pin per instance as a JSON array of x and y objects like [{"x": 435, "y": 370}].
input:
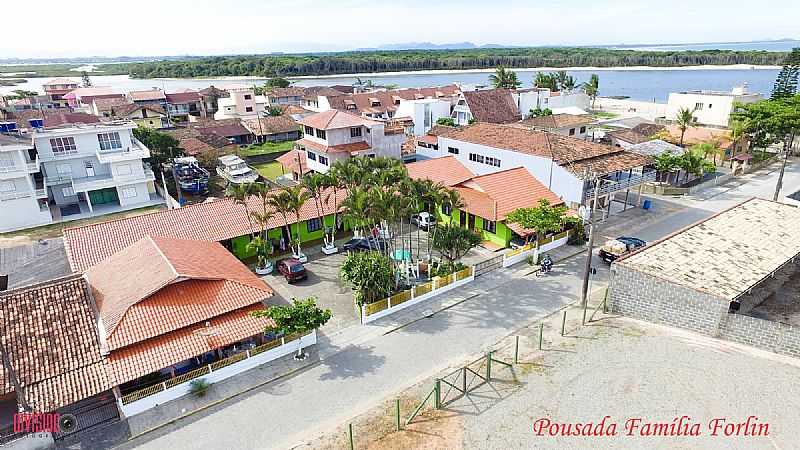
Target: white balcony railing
[
  {"x": 4, "y": 196},
  {"x": 608, "y": 186},
  {"x": 66, "y": 154},
  {"x": 20, "y": 169},
  {"x": 108, "y": 180}
]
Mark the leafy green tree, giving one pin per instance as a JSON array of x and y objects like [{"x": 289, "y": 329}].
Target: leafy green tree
[
  {"x": 786, "y": 83},
  {"x": 503, "y": 78},
  {"x": 274, "y": 111},
  {"x": 85, "y": 80},
  {"x": 163, "y": 147},
  {"x": 666, "y": 163},
  {"x": 543, "y": 218},
  {"x": 684, "y": 118},
  {"x": 299, "y": 317},
  {"x": 446, "y": 121},
  {"x": 277, "y": 82},
  {"x": 694, "y": 162},
  {"x": 370, "y": 274},
  {"x": 453, "y": 242},
  {"x": 709, "y": 148},
  {"x": 592, "y": 87},
  {"x": 22, "y": 93},
  {"x": 538, "y": 112},
  {"x": 240, "y": 193}
]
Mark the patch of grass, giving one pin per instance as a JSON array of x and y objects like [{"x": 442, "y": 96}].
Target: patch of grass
[
  {"x": 266, "y": 148},
  {"x": 604, "y": 115},
  {"x": 57, "y": 229},
  {"x": 270, "y": 170}
]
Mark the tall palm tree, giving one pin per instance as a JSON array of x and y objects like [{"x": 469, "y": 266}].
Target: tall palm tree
[
  {"x": 545, "y": 81},
  {"x": 296, "y": 197},
  {"x": 262, "y": 243},
  {"x": 503, "y": 78},
  {"x": 592, "y": 87},
  {"x": 240, "y": 193},
  {"x": 315, "y": 184},
  {"x": 280, "y": 202},
  {"x": 684, "y": 118}
]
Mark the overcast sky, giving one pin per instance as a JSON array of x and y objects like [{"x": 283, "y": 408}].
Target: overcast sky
[{"x": 202, "y": 27}]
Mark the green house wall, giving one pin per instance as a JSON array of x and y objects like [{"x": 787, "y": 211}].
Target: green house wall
[
  {"x": 501, "y": 237},
  {"x": 239, "y": 244}
]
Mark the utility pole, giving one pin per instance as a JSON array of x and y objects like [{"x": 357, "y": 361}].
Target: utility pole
[
  {"x": 787, "y": 148},
  {"x": 587, "y": 269}
]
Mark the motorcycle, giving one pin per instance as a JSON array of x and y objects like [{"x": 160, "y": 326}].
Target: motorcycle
[{"x": 546, "y": 265}]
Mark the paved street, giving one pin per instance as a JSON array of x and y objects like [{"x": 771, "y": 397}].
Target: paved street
[{"x": 362, "y": 365}]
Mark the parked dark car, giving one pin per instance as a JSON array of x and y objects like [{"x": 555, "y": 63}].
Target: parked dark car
[
  {"x": 364, "y": 244},
  {"x": 293, "y": 270},
  {"x": 622, "y": 245}
]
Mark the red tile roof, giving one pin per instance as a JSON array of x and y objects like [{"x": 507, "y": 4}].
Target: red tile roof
[
  {"x": 180, "y": 98},
  {"x": 125, "y": 110},
  {"x": 333, "y": 119},
  {"x": 214, "y": 221},
  {"x": 159, "y": 285},
  {"x": 556, "y": 121},
  {"x": 49, "y": 331},
  {"x": 446, "y": 170},
  {"x": 509, "y": 190},
  {"x": 154, "y": 354},
  {"x": 271, "y": 125},
  {"x": 362, "y": 103},
  {"x": 148, "y": 95},
  {"x": 290, "y": 163},
  {"x": 492, "y": 105}
]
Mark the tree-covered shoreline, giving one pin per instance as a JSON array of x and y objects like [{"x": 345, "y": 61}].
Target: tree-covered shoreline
[{"x": 418, "y": 60}]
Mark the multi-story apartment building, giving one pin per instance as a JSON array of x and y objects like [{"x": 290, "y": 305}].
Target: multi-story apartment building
[
  {"x": 711, "y": 108},
  {"x": 335, "y": 136},
  {"x": 181, "y": 105},
  {"x": 23, "y": 198},
  {"x": 56, "y": 89},
  {"x": 73, "y": 171},
  {"x": 242, "y": 103}
]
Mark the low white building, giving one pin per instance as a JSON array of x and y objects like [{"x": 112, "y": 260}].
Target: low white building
[
  {"x": 711, "y": 108},
  {"x": 22, "y": 200},
  {"x": 424, "y": 113},
  {"x": 242, "y": 103},
  {"x": 334, "y": 135},
  {"x": 563, "y": 164},
  {"x": 537, "y": 98}
]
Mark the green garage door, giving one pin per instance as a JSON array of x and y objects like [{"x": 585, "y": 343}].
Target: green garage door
[{"x": 103, "y": 196}]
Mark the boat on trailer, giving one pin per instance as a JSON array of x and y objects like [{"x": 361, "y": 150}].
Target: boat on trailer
[
  {"x": 191, "y": 177},
  {"x": 235, "y": 171}
]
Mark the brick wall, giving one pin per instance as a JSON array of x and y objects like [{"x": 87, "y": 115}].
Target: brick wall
[
  {"x": 773, "y": 336},
  {"x": 642, "y": 296}
]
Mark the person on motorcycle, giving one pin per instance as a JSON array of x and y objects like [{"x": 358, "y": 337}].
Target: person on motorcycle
[{"x": 547, "y": 264}]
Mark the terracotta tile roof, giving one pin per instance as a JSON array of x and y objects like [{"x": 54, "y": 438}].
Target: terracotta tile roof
[
  {"x": 446, "y": 170},
  {"x": 609, "y": 163},
  {"x": 125, "y": 110},
  {"x": 556, "y": 121},
  {"x": 341, "y": 148},
  {"x": 148, "y": 95},
  {"x": 49, "y": 331},
  {"x": 291, "y": 91},
  {"x": 154, "y": 354},
  {"x": 362, "y": 102},
  {"x": 181, "y": 98},
  {"x": 629, "y": 136},
  {"x": 508, "y": 190},
  {"x": 333, "y": 119},
  {"x": 289, "y": 161},
  {"x": 212, "y": 91},
  {"x": 192, "y": 141},
  {"x": 478, "y": 203},
  {"x": 158, "y": 285},
  {"x": 271, "y": 125},
  {"x": 492, "y": 105},
  {"x": 105, "y": 104},
  {"x": 315, "y": 91},
  {"x": 93, "y": 91},
  {"x": 564, "y": 150},
  {"x": 648, "y": 129},
  {"x": 60, "y": 81},
  {"x": 214, "y": 221}
]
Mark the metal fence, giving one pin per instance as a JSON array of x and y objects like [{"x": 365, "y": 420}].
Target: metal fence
[{"x": 488, "y": 265}]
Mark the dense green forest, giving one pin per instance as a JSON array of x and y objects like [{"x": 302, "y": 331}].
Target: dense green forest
[{"x": 410, "y": 60}]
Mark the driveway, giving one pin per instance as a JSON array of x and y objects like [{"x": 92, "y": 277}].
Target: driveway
[{"x": 322, "y": 283}]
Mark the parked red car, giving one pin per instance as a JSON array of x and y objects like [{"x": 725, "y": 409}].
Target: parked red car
[{"x": 292, "y": 269}]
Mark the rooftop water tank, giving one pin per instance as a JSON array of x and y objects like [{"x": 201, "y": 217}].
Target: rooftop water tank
[
  {"x": 8, "y": 127},
  {"x": 36, "y": 123}
]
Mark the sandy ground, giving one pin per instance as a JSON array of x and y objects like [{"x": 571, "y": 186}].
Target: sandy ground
[{"x": 614, "y": 367}]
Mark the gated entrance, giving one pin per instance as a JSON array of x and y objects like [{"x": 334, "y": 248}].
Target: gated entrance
[
  {"x": 488, "y": 265},
  {"x": 89, "y": 413}
]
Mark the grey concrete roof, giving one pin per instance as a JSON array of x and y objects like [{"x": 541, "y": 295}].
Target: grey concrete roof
[
  {"x": 655, "y": 148},
  {"x": 728, "y": 253}
]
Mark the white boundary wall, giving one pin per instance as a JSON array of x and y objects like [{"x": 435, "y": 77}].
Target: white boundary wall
[{"x": 217, "y": 375}]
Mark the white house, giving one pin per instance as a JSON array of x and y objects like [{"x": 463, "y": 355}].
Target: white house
[
  {"x": 335, "y": 135},
  {"x": 94, "y": 169},
  {"x": 424, "y": 113},
  {"x": 712, "y": 108},
  {"x": 22, "y": 200},
  {"x": 537, "y": 98},
  {"x": 563, "y": 164},
  {"x": 242, "y": 103}
]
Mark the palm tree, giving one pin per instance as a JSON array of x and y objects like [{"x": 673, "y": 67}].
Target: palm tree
[
  {"x": 503, "y": 78},
  {"x": 290, "y": 200},
  {"x": 592, "y": 87},
  {"x": 261, "y": 243},
  {"x": 545, "y": 81},
  {"x": 709, "y": 148},
  {"x": 563, "y": 82},
  {"x": 315, "y": 183},
  {"x": 240, "y": 193},
  {"x": 738, "y": 131},
  {"x": 684, "y": 118}
]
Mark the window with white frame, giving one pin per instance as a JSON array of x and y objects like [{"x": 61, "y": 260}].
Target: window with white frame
[
  {"x": 476, "y": 158},
  {"x": 320, "y": 134},
  {"x": 452, "y": 150},
  {"x": 583, "y": 130},
  {"x": 64, "y": 169},
  {"x": 311, "y": 155},
  {"x": 309, "y": 130},
  {"x": 698, "y": 106},
  {"x": 490, "y": 226},
  {"x": 492, "y": 161},
  {"x": 314, "y": 224},
  {"x": 323, "y": 160},
  {"x": 129, "y": 192},
  {"x": 355, "y": 132},
  {"x": 63, "y": 145},
  {"x": 572, "y": 131},
  {"x": 7, "y": 186},
  {"x": 67, "y": 191},
  {"x": 109, "y": 141}
]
